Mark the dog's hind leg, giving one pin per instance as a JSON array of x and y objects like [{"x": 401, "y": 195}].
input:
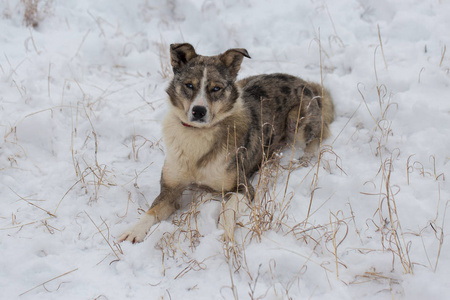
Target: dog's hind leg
[
  {"x": 236, "y": 205},
  {"x": 161, "y": 209}
]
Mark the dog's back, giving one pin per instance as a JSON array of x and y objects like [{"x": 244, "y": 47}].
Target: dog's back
[{"x": 273, "y": 103}]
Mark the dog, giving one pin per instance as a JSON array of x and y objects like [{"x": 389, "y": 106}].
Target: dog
[{"x": 218, "y": 130}]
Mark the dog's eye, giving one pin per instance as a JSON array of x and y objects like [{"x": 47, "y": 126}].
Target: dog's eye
[
  {"x": 216, "y": 89},
  {"x": 189, "y": 86}
]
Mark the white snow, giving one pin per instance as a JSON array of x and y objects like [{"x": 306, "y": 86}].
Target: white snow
[{"x": 81, "y": 103}]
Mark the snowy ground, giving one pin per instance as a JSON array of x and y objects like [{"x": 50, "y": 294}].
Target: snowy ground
[{"x": 81, "y": 102}]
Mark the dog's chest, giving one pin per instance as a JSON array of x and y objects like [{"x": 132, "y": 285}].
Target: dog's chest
[{"x": 186, "y": 149}]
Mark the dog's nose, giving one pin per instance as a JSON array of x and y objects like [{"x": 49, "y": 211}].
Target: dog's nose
[{"x": 198, "y": 112}]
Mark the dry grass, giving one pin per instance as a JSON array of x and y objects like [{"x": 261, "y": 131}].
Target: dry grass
[
  {"x": 35, "y": 11},
  {"x": 89, "y": 173},
  {"x": 164, "y": 59},
  {"x": 50, "y": 280},
  {"x": 183, "y": 240}
]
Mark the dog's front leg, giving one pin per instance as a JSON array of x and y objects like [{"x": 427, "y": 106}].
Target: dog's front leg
[
  {"x": 161, "y": 209},
  {"x": 236, "y": 205}
]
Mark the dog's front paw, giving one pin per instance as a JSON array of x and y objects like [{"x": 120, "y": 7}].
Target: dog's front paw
[
  {"x": 132, "y": 235},
  {"x": 138, "y": 232}
]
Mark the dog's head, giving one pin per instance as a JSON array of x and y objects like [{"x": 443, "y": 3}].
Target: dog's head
[{"x": 203, "y": 90}]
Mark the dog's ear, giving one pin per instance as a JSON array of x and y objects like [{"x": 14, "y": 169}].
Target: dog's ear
[
  {"x": 180, "y": 54},
  {"x": 232, "y": 59}
]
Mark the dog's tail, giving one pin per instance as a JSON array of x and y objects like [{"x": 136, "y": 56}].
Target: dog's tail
[
  {"x": 317, "y": 112},
  {"x": 324, "y": 100}
]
